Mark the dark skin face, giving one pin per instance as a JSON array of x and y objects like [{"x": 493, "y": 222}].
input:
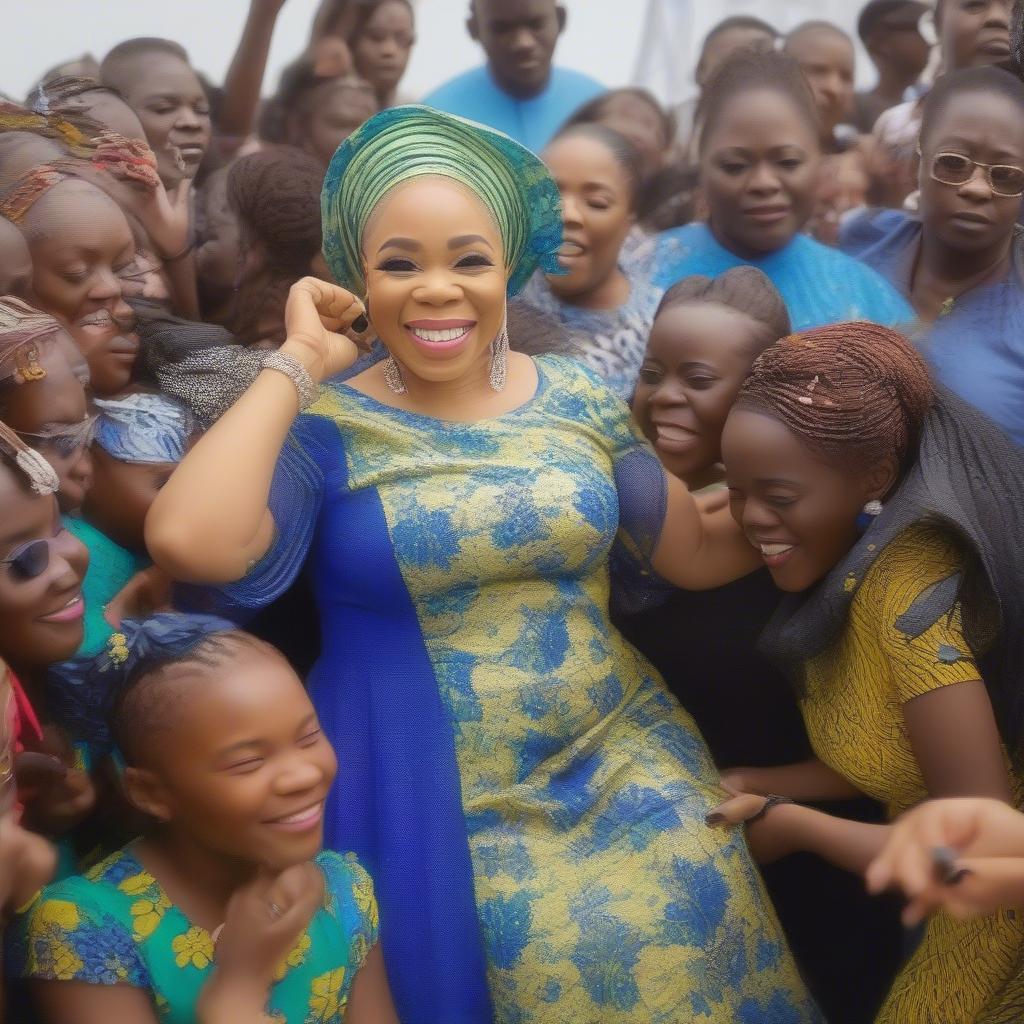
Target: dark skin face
[
  {"x": 338, "y": 109},
  {"x": 827, "y": 61},
  {"x": 519, "y": 38},
  {"x": 723, "y": 45},
  {"x": 40, "y": 618},
  {"x": 970, "y": 219},
  {"x": 697, "y": 357},
  {"x": 170, "y": 103},
  {"x": 797, "y": 507},
  {"x": 48, "y": 407},
  {"x": 243, "y": 753},
  {"x": 381, "y": 51},
  {"x": 80, "y": 242},
  {"x": 121, "y": 495},
  {"x": 973, "y": 33},
  {"x": 597, "y": 213},
  {"x": 759, "y": 167},
  {"x": 15, "y": 262}
]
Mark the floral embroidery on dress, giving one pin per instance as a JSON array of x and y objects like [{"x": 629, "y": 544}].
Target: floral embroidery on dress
[{"x": 195, "y": 947}]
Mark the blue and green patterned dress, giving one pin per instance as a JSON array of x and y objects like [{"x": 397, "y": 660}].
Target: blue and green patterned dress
[
  {"x": 115, "y": 926},
  {"x": 527, "y": 795}
]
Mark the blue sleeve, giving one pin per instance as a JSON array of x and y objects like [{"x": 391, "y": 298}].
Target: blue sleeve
[{"x": 296, "y": 495}]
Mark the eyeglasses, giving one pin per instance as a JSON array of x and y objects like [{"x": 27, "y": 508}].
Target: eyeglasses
[
  {"x": 65, "y": 441},
  {"x": 30, "y": 560},
  {"x": 956, "y": 169}
]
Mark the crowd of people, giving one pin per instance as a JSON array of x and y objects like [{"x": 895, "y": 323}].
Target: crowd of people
[{"x": 522, "y": 555}]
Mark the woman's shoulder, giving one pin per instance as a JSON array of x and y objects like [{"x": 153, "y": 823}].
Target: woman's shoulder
[{"x": 917, "y": 569}]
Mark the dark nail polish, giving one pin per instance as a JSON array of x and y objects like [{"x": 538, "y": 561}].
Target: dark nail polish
[
  {"x": 714, "y": 819},
  {"x": 360, "y": 324}
]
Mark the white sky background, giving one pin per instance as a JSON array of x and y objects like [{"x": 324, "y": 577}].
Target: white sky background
[{"x": 602, "y": 38}]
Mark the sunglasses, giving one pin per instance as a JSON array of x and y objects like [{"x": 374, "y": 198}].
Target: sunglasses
[
  {"x": 65, "y": 441},
  {"x": 30, "y": 560},
  {"x": 955, "y": 169}
]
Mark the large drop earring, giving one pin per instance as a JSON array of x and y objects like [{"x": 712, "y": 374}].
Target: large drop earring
[
  {"x": 393, "y": 376},
  {"x": 499, "y": 356}
]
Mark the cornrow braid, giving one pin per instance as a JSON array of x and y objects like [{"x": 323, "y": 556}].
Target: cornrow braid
[
  {"x": 746, "y": 290},
  {"x": 855, "y": 391}
]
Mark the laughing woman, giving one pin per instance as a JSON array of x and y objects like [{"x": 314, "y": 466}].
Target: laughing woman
[
  {"x": 902, "y": 628},
  {"x": 523, "y": 789},
  {"x": 602, "y": 302}
]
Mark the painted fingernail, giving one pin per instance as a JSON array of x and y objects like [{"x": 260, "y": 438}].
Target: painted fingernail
[
  {"x": 958, "y": 876},
  {"x": 360, "y": 324},
  {"x": 714, "y": 818}
]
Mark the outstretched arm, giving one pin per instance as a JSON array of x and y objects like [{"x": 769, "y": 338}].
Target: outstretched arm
[
  {"x": 211, "y": 519},
  {"x": 700, "y": 550}
]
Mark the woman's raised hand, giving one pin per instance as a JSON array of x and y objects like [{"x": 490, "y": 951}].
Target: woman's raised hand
[
  {"x": 964, "y": 855},
  {"x": 316, "y": 318}
]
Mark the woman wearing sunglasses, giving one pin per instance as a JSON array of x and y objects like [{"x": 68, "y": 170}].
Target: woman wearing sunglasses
[
  {"x": 961, "y": 260},
  {"x": 41, "y": 622}
]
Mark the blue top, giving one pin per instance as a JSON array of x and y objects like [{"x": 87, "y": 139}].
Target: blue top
[
  {"x": 819, "y": 285},
  {"x": 532, "y": 122},
  {"x": 976, "y": 348}
]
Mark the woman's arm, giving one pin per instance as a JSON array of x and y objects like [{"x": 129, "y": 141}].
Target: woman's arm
[
  {"x": 211, "y": 520},
  {"x": 244, "y": 79},
  {"x": 953, "y": 733},
  {"x": 698, "y": 551},
  {"x": 370, "y": 1001},
  {"x": 811, "y": 781},
  {"x": 76, "y": 1002},
  {"x": 790, "y": 828}
]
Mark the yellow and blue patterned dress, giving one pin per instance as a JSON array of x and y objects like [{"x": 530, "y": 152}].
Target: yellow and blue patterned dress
[
  {"x": 116, "y": 926},
  {"x": 528, "y": 796}
]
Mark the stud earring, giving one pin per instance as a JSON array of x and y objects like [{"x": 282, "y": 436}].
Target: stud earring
[{"x": 871, "y": 511}]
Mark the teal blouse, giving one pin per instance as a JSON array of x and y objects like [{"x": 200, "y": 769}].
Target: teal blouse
[{"x": 115, "y": 925}]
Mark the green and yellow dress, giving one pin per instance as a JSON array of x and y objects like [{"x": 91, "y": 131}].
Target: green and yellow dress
[{"x": 115, "y": 925}]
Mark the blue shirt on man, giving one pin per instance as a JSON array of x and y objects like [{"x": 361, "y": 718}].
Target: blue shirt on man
[{"x": 533, "y": 122}]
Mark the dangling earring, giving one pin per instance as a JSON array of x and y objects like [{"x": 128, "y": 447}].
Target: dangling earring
[
  {"x": 871, "y": 511},
  {"x": 393, "y": 376},
  {"x": 499, "y": 356}
]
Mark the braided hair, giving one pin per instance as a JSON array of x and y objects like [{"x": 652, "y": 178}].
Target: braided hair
[
  {"x": 856, "y": 392},
  {"x": 746, "y": 290},
  {"x": 276, "y": 194}
]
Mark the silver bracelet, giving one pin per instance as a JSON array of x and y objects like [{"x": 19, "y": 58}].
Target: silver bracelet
[{"x": 308, "y": 389}]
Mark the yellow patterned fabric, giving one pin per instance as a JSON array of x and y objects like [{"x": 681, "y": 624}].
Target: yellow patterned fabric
[
  {"x": 962, "y": 972},
  {"x": 601, "y": 893}
]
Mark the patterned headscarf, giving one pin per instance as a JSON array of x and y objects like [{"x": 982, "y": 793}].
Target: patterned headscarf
[
  {"x": 16, "y": 202},
  {"x": 144, "y": 428},
  {"x": 413, "y": 141}
]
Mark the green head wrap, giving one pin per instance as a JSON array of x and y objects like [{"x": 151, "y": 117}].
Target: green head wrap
[{"x": 410, "y": 142}]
